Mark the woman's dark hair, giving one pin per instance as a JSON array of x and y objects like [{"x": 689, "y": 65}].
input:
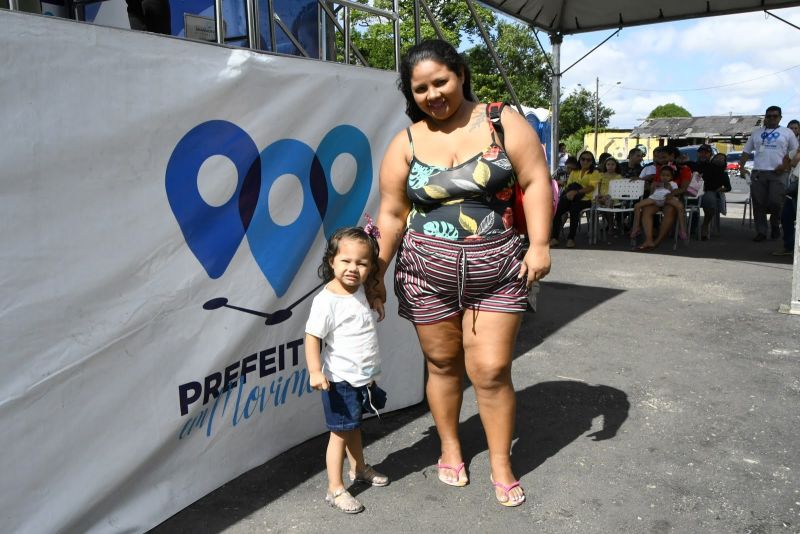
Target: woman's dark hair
[
  {"x": 440, "y": 52},
  {"x": 793, "y": 121},
  {"x": 592, "y": 166},
  {"x": 356, "y": 233}
]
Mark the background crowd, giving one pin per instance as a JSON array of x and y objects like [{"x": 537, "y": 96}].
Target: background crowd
[{"x": 584, "y": 183}]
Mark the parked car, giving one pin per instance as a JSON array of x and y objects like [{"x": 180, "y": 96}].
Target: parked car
[
  {"x": 691, "y": 151},
  {"x": 733, "y": 162}
]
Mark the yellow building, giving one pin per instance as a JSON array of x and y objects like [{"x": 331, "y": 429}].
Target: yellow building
[{"x": 618, "y": 143}]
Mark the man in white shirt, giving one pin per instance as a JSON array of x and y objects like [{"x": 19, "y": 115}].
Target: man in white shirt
[{"x": 771, "y": 144}]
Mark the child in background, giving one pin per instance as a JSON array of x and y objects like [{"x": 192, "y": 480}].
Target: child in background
[
  {"x": 608, "y": 171},
  {"x": 342, "y": 356},
  {"x": 660, "y": 196}
]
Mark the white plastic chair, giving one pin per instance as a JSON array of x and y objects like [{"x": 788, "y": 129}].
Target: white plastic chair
[
  {"x": 624, "y": 193},
  {"x": 740, "y": 194}
]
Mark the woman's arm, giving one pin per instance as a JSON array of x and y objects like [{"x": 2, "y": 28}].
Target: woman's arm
[
  {"x": 394, "y": 207},
  {"x": 726, "y": 182},
  {"x": 525, "y": 151}
]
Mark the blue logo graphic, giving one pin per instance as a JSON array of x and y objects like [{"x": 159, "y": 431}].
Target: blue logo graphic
[
  {"x": 768, "y": 137},
  {"x": 214, "y": 233}
]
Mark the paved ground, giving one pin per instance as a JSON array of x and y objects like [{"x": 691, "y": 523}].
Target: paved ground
[{"x": 656, "y": 393}]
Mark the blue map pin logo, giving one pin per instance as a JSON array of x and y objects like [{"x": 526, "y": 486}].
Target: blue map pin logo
[
  {"x": 280, "y": 250},
  {"x": 345, "y": 209},
  {"x": 213, "y": 233}
]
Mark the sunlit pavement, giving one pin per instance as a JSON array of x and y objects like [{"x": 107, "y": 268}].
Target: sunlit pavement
[{"x": 657, "y": 392}]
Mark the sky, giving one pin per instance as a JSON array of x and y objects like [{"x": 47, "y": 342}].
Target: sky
[{"x": 735, "y": 64}]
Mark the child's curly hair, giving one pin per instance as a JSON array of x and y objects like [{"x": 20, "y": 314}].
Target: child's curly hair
[{"x": 356, "y": 233}]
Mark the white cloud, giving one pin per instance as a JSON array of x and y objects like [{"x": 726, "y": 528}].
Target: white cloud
[
  {"x": 709, "y": 66},
  {"x": 738, "y": 105}
]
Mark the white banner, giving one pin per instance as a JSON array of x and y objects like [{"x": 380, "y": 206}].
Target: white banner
[{"x": 165, "y": 205}]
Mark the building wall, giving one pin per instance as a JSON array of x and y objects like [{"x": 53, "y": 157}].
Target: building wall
[{"x": 618, "y": 143}]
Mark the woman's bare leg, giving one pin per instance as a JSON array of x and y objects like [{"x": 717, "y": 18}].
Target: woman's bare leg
[
  {"x": 669, "y": 219},
  {"x": 637, "y": 214},
  {"x": 488, "y": 351},
  {"x": 442, "y": 346},
  {"x": 679, "y": 208},
  {"x": 647, "y": 224}
]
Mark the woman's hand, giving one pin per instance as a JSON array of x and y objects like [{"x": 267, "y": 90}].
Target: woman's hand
[
  {"x": 536, "y": 264},
  {"x": 377, "y": 292},
  {"x": 377, "y": 305}
]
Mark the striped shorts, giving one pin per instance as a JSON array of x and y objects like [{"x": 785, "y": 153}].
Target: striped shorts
[{"x": 437, "y": 278}]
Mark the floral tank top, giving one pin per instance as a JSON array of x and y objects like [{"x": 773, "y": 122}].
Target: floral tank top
[{"x": 469, "y": 201}]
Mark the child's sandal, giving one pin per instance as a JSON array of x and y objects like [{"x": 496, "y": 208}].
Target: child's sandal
[
  {"x": 343, "y": 501},
  {"x": 370, "y": 476}
]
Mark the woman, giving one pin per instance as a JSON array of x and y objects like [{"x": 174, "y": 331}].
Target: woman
[
  {"x": 580, "y": 183},
  {"x": 715, "y": 184},
  {"x": 461, "y": 274}
]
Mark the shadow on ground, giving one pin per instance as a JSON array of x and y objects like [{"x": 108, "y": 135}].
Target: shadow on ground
[
  {"x": 550, "y": 415},
  {"x": 733, "y": 242}
]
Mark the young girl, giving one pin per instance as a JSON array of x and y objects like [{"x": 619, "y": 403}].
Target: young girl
[
  {"x": 342, "y": 356},
  {"x": 608, "y": 172},
  {"x": 661, "y": 196}
]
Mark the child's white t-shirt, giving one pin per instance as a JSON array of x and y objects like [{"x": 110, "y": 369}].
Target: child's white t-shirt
[
  {"x": 347, "y": 327},
  {"x": 661, "y": 191}
]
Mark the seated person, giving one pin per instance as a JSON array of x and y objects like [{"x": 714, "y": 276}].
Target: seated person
[
  {"x": 581, "y": 182},
  {"x": 715, "y": 184},
  {"x": 683, "y": 178},
  {"x": 660, "y": 196},
  {"x": 650, "y": 171},
  {"x": 609, "y": 170},
  {"x": 562, "y": 174},
  {"x": 633, "y": 167}
]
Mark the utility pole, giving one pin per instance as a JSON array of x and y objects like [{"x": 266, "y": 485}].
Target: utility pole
[{"x": 596, "y": 111}]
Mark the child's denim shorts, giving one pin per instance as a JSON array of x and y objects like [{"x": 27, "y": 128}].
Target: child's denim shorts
[{"x": 344, "y": 404}]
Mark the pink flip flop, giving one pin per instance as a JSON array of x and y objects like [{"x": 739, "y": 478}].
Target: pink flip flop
[
  {"x": 509, "y": 502},
  {"x": 457, "y": 469}
]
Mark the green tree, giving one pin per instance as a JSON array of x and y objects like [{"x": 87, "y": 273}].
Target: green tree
[
  {"x": 666, "y": 111},
  {"x": 574, "y": 141},
  {"x": 373, "y": 35},
  {"x": 523, "y": 61},
  {"x": 515, "y": 44},
  {"x": 577, "y": 112}
]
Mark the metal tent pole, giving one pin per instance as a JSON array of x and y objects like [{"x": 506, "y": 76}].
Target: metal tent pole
[
  {"x": 396, "y": 25},
  {"x": 555, "y": 100},
  {"x": 494, "y": 55},
  {"x": 794, "y": 305},
  {"x": 219, "y": 22}
]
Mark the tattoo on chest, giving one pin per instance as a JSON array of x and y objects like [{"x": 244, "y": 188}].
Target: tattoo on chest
[{"x": 476, "y": 121}]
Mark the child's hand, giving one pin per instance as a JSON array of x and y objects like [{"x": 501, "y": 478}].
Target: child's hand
[
  {"x": 318, "y": 381},
  {"x": 377, "y": 305}
]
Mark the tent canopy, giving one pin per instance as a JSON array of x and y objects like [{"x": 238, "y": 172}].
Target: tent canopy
[{"x": 577, "y": 16}]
